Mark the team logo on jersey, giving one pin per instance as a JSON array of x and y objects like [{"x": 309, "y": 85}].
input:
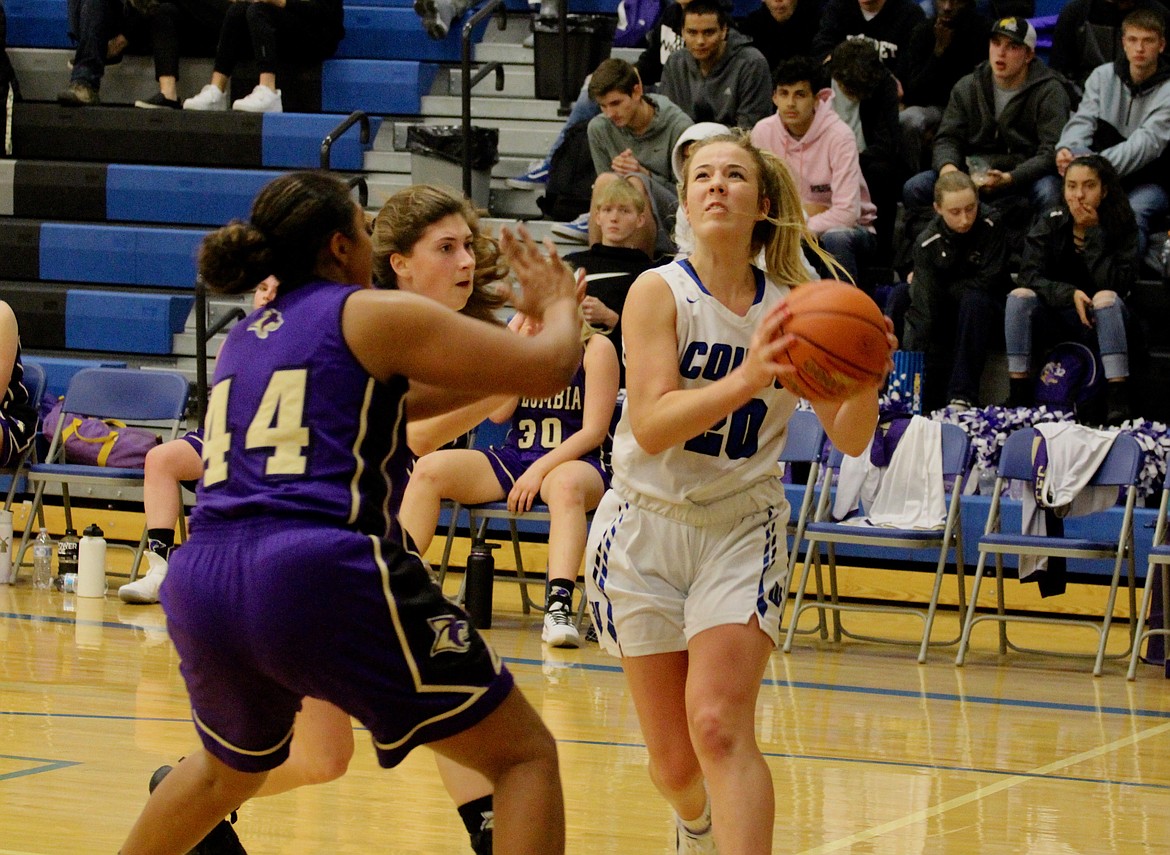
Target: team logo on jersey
[
  {"x": 270, "y": 321},
  {"x": 452, "y": 634}
]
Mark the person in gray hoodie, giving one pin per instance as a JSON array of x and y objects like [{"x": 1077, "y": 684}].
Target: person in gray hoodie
[
  {"x": 1125, "y": 117},
  {"x": 720, "y": 77}
]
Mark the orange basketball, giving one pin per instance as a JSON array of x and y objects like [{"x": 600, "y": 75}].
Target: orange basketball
[{"x": 840, "y": 340}]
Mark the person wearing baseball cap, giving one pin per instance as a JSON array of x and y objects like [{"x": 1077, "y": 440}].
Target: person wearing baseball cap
[{"x": 1000, "y": 126}]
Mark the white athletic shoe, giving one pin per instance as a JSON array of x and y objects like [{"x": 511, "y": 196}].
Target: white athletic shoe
[
  {"x": 209, "y": 98},
  {"x": 559, "y": 629},
  {"x": 687, "y": 843},
  {"x": 260, "y": 100},
  {"x": 144, "y": 591}
]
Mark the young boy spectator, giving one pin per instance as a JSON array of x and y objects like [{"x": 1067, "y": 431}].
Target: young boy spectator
[
  {"x": 886, "y": 23},
  {"x": 820, "y": 151},
  {"x": 720, "y": 77},
  {"x": 612, "y": 265},
  {"x": 782, "y": 29},
  {"x": 957, "y": 292},
  {"x": 632, "y": 138},
  {"x": 1088, "y": 33},
  {"x": 1001, "y": 126},
  {"x": 942, "y": 50},
  {"x": 1125, "y": 117}
]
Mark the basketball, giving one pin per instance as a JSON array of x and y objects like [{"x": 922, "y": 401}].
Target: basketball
[{"x": 840, "y": 342}]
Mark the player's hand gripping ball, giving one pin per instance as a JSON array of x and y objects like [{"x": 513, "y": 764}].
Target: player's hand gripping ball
[{"x": 841, "y": 344}]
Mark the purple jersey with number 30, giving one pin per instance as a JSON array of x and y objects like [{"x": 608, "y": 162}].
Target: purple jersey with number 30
[{"x": 296, "y": 428}]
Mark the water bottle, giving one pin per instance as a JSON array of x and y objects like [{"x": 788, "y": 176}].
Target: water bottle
[
  {"x": 43, "y": 561},
  {"x": 67, "y": 548},
  {"x": 91, "y": 563},
  {"x": 481, "y": 571}
]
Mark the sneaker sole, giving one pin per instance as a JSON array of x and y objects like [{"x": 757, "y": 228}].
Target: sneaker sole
[
  {"x": 134, "y": 598},
  {"x": 567, "y": 639},
  {"x": 571, "y": 234},
  {"x": 146, "y": 105},
  {"x": 521, "y": 184}
]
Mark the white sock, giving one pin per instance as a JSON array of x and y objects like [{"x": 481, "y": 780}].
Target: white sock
[{"x": 701, "y": 824}]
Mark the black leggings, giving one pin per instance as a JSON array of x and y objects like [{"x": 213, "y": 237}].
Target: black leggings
[
  {"x": 183, "y": 28},
  {"x": 257, "y": 30}
]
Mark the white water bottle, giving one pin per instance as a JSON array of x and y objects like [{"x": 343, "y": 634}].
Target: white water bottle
[
  {"x": 7, "y": 577},
  {"x": 91, "y": 563}
]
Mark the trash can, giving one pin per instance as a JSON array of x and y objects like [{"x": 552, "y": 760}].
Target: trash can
[
  {"x": 436, "y": 157},
  {"x": 590, "y": 39}
]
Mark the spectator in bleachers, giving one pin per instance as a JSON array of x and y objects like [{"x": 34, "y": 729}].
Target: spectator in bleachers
[
  {"x": 95, "y": 25},
  {"x": 632, "y": 138},
  {"x": 1088, "y": 34},
  {"x": 684, "y": 236},
  {"x": 179, "y": 28},
  {"x": 957, "y": 292},
  {"x": 820, "y": 151},
  {"x": 272, "y": 32},
  {"x": 1079, "y": 263},
  {"x": 782, "y": 29},
  {"x": 866, "y": 99},
  {"x": 886, "y": 23},
  {"x": 664, "y": 38},
  {"x": 612, "y": 265},
  {"x": 18, "y": 414},
  {"x": 942, "y": 50},
  {"x": 1124, "y": 116},
  {"x": 1000, "y": 126},
  {"x": 720, "y": 77}
]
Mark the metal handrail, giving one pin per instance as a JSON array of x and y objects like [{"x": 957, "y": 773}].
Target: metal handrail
[
  {"x": 355, "y": 117},
  {"x": 204, "y": 334},
  {"x": 363, "y": 188},
  {"x": 469, "y": 80}
]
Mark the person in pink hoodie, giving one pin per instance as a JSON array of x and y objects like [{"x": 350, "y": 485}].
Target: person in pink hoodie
[{"x": 821, "y": 152}]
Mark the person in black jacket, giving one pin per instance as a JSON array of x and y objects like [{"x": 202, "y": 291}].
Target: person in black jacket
[
  {"x": 1079, "y": 262},
  {"x": 269, "y": 31},
  {"x": 886, "y": 23},
  {"x": 782, "y": 29},
  {"x": 957, "y": 292},
  {"x": 942, "y": 50},
  {"x": 179, "y": 28}
]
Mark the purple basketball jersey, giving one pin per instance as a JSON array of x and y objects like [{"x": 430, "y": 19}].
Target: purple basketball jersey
[
  {"x": 540, "y": 425},
  {"x": 296, "y": 428}
]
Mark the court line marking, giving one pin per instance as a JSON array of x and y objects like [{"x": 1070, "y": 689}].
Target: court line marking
[{"x": 989, "y": 790}]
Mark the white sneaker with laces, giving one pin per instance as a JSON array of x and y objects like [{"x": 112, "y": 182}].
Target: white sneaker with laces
[
  {"x": 689, "y": 843},
  {"x": 144, "y": 591},
  {"x": 559, "y": 629},
  {"x": 210, "y": 97},
  {"x": 261, "y": 100}
]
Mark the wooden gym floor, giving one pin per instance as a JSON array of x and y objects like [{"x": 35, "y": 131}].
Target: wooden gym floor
[{"x": 870, "y": 752}]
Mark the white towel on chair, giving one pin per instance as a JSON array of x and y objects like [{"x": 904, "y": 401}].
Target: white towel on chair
[{"x": 909, "y": 493}]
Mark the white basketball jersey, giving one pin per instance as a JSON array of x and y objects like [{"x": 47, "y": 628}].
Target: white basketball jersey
[{"x": 742, "y": 449}]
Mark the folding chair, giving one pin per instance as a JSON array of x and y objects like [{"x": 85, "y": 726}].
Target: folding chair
[
  {"x": 1159, "y": 560},
  {"x": 155, "y": 399},
  {"x": 804, "y": 446},
  {"x": 940, "y": 541},
  {"x": 34, "y": 382},
  {"x": 478, "y": 519},
  {"x": 1119, "y": 469}
]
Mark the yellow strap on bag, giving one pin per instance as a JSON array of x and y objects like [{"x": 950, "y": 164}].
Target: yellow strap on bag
[{"x": 106, "y": 442}]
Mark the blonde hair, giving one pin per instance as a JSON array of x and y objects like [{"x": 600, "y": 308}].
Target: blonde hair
[
  {"x": 622, "y": 192},
  {"x": 783, "y": 232},
  {"x": 401, "y": 224}
]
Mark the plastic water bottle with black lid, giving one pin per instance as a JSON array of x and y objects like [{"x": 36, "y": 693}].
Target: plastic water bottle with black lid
[{"x": 43, "y": 560}]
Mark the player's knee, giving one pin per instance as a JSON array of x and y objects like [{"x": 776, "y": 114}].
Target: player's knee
[
  {"x": 328, "y": 765},
  {"x": 675, "y": 771},
  {"x": 713, "y": 733}
]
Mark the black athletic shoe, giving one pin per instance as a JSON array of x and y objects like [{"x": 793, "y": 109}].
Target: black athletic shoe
[
  {"x": 159, "y": 101},
  {"x": 481, "y": 842},
  {"x": 222, "y": 839}
]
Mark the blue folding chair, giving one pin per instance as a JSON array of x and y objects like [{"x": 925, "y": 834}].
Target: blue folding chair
[
  {"x": 154, "y": 399},
  {"x": 941, "y": 542},
  {"x": 804, "y": 446},
  {"x": 34, "y": 382},
  {"x": 1159, "y": 559},
  {"x": 1119, "y": 469}
]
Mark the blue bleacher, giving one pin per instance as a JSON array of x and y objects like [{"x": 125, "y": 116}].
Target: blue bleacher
[
  {"x": 293, "y": 141},
  {"x": 37, "y": 23},
  {"x": 178, "y": 194},
  {"x": 125, "y": 255},
  {"x": 382, "y": 86},
  {"x": 386, "y": 32},
  {"x": 124, "y": 321}
]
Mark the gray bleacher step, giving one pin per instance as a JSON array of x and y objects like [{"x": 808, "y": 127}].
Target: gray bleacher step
[
  {"x": 519, "y": 82},
  {"x": 43, "y": 73},
  {"x": 492, "y": 108},
  {"x": 399, "y": 162},
  {"x": 514, "y": 53}
]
